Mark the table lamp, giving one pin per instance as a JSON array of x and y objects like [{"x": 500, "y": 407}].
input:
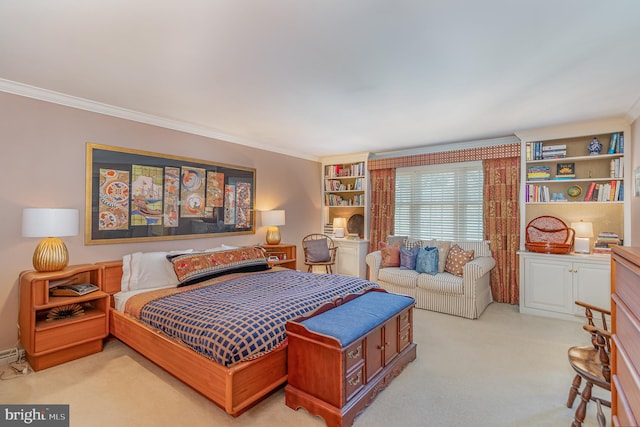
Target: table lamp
[
  {"x": 584, "y": 231},
  {"x": 339, "y": 225},
  {"x": 273, "y": 219},
  {"x": 51, "y": 253}
]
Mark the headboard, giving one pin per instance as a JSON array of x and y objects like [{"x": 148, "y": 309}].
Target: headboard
[{"x": 110, "y": 276}]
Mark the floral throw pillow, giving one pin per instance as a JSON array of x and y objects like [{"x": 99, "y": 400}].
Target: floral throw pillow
[
  {"x": 390, "y": 255},
  {"x": 427, "y": 261},
  {"x": 457, "y": 259},
  {"x": 408, "y": 257}
]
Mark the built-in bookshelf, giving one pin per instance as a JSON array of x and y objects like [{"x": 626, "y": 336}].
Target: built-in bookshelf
[
  {"x": 578, "y": 172},
  {"x": 345, "y": 194},
  {"x": 565, "y": 173}
]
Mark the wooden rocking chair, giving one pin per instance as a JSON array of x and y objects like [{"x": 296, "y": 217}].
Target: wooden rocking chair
[{"x": 591, "y": 363}]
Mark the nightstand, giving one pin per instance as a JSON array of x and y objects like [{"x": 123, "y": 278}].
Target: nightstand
[
  {"x": 286, "y": 255},
  {"x": 48, "y": 340}
]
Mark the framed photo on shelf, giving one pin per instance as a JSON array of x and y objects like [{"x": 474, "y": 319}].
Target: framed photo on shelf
[
  {"x": 134, "y": 195},
  {"x": 566, "y": 169}
]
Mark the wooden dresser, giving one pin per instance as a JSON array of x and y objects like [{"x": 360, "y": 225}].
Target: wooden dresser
[
  {"x": 344, "y": 354},
  {"x": 625, "y": 299}
]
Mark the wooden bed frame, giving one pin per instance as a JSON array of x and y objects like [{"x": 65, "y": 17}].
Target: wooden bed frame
[{"x": 234, "y": 389}]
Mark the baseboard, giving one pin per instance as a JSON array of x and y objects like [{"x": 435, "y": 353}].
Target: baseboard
[{"x": 11, "y": 355}]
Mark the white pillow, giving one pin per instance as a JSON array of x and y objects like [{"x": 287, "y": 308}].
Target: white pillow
[{"x": 148, "y": 270}]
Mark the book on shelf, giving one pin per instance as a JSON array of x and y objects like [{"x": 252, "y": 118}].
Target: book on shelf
[
  {"x": 556, "y": 154},
  {"x": 538, "y": 172},
  {"x": 621, "y": 192},
  {"x": 75, "y": 290},
  {"x": 537, "y": 193},
  {"x": 590, "y": 191},
  {"x": 554, "y": 147},
  {"x": 616, "y": 143},
  {"x": 612, "y": 143},
  {"x": 616, "y": 168}
]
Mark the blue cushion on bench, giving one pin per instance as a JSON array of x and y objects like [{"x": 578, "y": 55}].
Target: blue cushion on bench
[{"x": 354, "y": 319}]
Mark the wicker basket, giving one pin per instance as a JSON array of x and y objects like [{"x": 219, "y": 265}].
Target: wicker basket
[{"x": 549, "y": 235}]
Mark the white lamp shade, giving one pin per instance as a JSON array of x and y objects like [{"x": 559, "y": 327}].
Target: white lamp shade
[
  {"x": 44, "y": 222},
  {"x": 339, "y": 223},
  {"x": 582, "y": 229},
  {"x": 273, "y": 218}
]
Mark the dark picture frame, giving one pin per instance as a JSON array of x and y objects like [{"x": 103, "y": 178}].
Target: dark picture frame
[{"x": 138, "y": 196}]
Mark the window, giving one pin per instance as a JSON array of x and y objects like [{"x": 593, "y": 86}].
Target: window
[{"x": 440, "y": 201}]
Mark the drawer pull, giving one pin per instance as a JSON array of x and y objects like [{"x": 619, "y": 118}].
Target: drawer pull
[
  {"x": 404, "y": 337},
  {"x": 405, "y": 316},
  {"x": 355, "y": 381},
  {"x": 355, "y": 354}
]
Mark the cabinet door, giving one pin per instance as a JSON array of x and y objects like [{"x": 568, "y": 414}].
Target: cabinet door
[
  {"x": 548, "y": 285},
  {"x": 592, "y": 283},
  {"x": 391, "y": 349},
  {"x": 347, "y": 259},
  {"x": 374, "y": 361}
]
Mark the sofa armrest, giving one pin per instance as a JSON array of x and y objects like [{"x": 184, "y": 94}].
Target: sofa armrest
[
  {"x": 374, "y": 260},
  {"x": 479, "y": 266},
  {"x": 476, "y": 273}
]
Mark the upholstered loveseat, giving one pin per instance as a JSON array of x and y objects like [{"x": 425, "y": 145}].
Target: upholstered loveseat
[{"x": 466, "y": 295}]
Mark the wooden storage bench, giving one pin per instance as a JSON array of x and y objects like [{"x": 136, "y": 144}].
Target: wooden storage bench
[{"x": 346, "y": 352}]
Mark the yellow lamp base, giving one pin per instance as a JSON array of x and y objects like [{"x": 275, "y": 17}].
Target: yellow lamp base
[
  {"x": 50, "y": 255},
  {"x": 273, "y": 236}
]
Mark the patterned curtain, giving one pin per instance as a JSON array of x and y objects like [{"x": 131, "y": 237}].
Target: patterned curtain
[
  {"x": 502, "y": 224},
  {"x": 383, "y": 198}
]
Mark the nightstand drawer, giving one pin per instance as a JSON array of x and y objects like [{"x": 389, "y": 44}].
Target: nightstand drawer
[{"x": 54, "y": 338}]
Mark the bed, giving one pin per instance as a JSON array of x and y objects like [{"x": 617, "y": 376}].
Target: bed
[{"x": 235, "y": 383}]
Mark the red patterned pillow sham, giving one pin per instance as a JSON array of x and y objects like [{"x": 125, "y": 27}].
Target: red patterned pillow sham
[{"x": 197, "y": 267}]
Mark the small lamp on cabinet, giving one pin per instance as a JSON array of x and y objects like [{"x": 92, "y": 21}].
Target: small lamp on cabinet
[
  {"x": 584, "y": 231},
  {"x": 339, "y": 225},
  {"x": 51, "y": 253},
  {"x": 273, "y": 219}
]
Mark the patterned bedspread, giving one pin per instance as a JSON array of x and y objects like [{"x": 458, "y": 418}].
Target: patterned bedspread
[{"x": 242, "y": 317}]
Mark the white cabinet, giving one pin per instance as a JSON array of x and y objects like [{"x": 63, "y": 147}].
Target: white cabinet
[
  {"x": 550, "y": 284},
  {"x": 350, "y": 257}
]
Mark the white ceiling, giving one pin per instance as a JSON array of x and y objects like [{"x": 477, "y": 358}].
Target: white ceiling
[{"x": 318, "y": 77}]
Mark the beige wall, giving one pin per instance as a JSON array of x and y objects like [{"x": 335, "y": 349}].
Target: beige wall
[{"x": 43, "y": 152}]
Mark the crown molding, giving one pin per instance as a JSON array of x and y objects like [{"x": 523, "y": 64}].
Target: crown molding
[
  {"x": 59, "y": 98},
  {"x": 634, "y": 111}
]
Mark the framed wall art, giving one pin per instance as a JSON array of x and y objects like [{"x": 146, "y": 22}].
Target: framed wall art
[{"x": 134, "y": 195}]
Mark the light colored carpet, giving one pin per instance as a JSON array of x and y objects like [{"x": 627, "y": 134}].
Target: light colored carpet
[{"x": 504, "y": 369}]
